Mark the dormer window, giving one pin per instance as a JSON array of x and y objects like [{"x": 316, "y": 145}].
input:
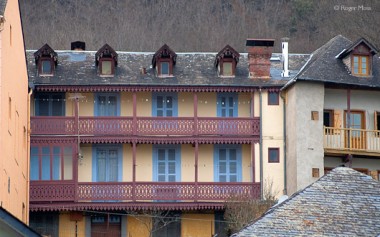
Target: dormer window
[
  {"x": 226, "y": 61},
  {"x": 358, "y": 58},
  {"x": 46, "y": 60},
  {"x": 164, "y": 60},
  {"x": 106, "y": 60},
  {"x": 360, "y": 65}
]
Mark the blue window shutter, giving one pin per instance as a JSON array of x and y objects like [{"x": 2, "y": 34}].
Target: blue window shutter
[
  {"x": 166, "y": 162},
  {"x": 107, "y": 163},
  {"x": 94, "y": 166},
  {"x": 228, "y": 162},
  {"x": 45, "y": 160},
  {"x": 224, "y": 104},
  {"x": 167, "y": 106},
  {"x": 110, "y": 106},
  {"x": 56, "y": 163},
  {"x": 155, "y": 163},
  {"x": 34, "y": 163},
  {"x": 178, "y": 163}
]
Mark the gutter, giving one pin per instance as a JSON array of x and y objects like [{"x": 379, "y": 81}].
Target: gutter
[
  {"x": 285, "y": 192},
  {"x": 261, "y": 145},
  {"x": 28, "y": 131}
]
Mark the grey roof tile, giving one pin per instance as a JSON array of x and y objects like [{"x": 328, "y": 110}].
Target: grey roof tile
[
  {"x": 191, "y": 69},
  {"x": 3, "y": 4},
  {"x": 344, "y": 202}
]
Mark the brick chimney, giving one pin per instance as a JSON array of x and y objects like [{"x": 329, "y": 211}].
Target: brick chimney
[{"x": 259, "y": 54}]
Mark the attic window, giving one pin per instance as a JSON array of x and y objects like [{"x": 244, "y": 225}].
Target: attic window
[
  {"x": 46, "y": 60},
  {"x": 106, "y": 60},
  {"x": 226, "y": 61},
  {"x": 164, "y": 59},
  {"x": 360, "y": 65}
]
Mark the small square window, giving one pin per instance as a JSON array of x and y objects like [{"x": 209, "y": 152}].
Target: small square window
[
  {"x": 46, "y": 67},
  {"x": 164, "y": 68},
  {"x": 273, "y": 155},
  {"x": 227, "y": 69},
  {"x": 273, "y": 98},
  {"x": 106, "y": 68}
]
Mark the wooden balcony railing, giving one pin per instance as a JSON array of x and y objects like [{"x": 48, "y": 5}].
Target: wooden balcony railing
[
  {"x": 43, "y": 125},
  {"x": 140, "y": 191},
  {"x": 349, "y": 139}
]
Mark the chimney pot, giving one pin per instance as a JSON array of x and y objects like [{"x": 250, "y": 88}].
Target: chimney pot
[
  {"x": 259, "y": 54},
  {"x": 285, "y": 57},
  {"x": 78, "y": 45}
]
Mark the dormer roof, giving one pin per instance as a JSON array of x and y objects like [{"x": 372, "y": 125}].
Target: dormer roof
[
  {"x": 164, "y": 52},
  {"x": 351, "y": 47},
  {"x": 229, "y": 52},
  {"x": 106, "y": 52},
  {"x": 46, "y": 51}
]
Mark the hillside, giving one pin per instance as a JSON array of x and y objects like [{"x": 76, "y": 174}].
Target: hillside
[{"x": 196, "y": 25}]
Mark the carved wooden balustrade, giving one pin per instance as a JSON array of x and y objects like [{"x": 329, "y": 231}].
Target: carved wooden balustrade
[
  {"x": 141, "y": 191},
  {"x": 43, "y": 125}
]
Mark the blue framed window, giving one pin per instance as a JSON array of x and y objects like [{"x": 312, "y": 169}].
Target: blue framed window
[
  {"x": 164, "y": 68},
  {"x": 227, "y": 105},
  {"x": 227, "y": 163},
  {"x": 166, "y": 163},
  {"x": 165, "y": 105},
  {"x": 273, "y": 98},
  {"x": 49, "y": 104},
  {"x": 106, "y": 163},
  {"x": 107, "y": 104},
  {"x": 51, "y": 162}
]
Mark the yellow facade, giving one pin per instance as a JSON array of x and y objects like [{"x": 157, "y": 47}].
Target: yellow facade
[
  {"x": 139, "y": 226},
  {"x": 14, "y": 160},
  {"x": 68, "y": 228}
]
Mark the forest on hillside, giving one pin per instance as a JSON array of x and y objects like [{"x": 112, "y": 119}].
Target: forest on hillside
[{"x": 196, "y": 25}]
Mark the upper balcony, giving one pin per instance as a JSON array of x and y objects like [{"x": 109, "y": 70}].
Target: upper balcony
[
  {"x": 351, "y": 141},
  {"x": 124, "y": 126}
]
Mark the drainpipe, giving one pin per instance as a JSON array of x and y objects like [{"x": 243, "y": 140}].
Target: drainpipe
[
  {"x": 261, "y": 145},
  {"x": 284, "y": 135},
  {"x": 349, "y": 156},
  {"x": 28, "y": 157}
]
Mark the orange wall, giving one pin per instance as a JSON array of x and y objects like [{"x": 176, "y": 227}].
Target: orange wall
[{"x": 14, "y": 159}]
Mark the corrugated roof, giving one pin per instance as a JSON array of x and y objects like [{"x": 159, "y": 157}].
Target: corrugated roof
[
  {"x": 191, "y": 69},
  {"x": 344, "y": 202}
]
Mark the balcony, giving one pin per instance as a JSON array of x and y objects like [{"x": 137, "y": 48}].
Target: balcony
[
  {"x": 46, "y": 191},
  {"x": 351, "y": 141},
  {"x": 123, "y": 126}
]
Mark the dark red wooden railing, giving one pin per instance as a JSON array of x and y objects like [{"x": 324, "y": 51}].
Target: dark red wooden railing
[
  {"x": 43, "y": 125},
  {"x": 140, "y": 191}
]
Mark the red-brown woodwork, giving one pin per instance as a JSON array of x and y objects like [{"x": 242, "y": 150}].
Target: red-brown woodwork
[
  {"x": 43, "y": 125},
  {"x": 140, "y": 191}
]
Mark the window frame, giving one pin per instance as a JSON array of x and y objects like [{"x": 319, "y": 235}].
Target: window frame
[
  {"x": 174, "y": 96},
  {"x": 221, "y": 67},
  {"x": 239, "y": 170},
  {"x": 275, "y": 101},
  {"x": 96, "y": 104},
  {"x": 360, "y": 65},
  {"x": 170, "y": 65},
  {"x": 177, "y": 148},
  {"x": 277, "y": 160},
  {"x": 331, "y": 117},
  {"x": 50, "y": 104},
  {"x": 101, "y": 60},
  {"x": 377, "y": 121},
  {"x": 39, "y": 166},
  {"x": 95, "y": 164},
  {"x": 235, "y": 106},
  {"x": 40, "y": 66}
]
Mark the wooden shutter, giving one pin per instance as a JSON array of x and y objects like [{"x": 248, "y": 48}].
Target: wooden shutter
[{"x": 337, "y": 121}]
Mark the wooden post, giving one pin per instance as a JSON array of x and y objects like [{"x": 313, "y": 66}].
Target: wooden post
[
  {"x": 77, "y": 150},
  {"x": 196, "y": 170},
  {"x": 195, "y": 114},
  {"x": 134, "y": 121},
  {"x": 134, "y": 171}
]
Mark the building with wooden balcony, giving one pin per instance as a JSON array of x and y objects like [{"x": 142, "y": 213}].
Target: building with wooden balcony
[
  {"x": 116, "y": 136},
  {"x": 332, "y": 112}
]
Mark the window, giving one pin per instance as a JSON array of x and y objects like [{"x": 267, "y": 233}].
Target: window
[
  {"x": 106, "y": 225},
  {"x": 51, "y": 162},
  {"x": 377, "y": 120},
  {"x": 227, "y": 105},
  {"x": 166, "y": 163},
  {"x": 360, "y": 65},
  {"x": 46, "y": 67},
  {"x": 167, "y": 225},
  {"x": 45, "y": 223},
  {"x": 165, "y": 105},
  {"x": 164, "y": 68},
  {"x": 52, "y": 104},
  {"x": 106, "y": 67},
  {"x": 273, "y": 98},
  {"x": 273, "y": 155},
  {"x": 107, "y": 164},
  {"x": 328, "y": 118},
  {"x": 107, "y": 104},
  {"x": 227, "y": 69},
  {"x": 227, "y": 163}
]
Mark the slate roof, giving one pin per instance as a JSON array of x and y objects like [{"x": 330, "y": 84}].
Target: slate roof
[
  {"x": 3, "y": 4},
  {"x": 323, "y": 66},
  {"x": 191, "y": 69},
  {"x": 343, "y": 202}
]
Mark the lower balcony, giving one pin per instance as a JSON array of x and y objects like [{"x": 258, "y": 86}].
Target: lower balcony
[
  {"x": 351, "y": 141},
  {"x": 62, "y": 191}
]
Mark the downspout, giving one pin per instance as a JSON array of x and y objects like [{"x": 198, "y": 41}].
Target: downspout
[
  {"x": 261, "y": 145},
  {"x": 284, "y": 135},
  {"x": 28, "y": 131}
]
